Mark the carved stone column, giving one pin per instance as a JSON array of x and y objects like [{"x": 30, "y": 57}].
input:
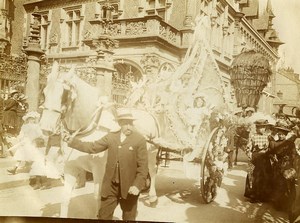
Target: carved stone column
[
  {"x": 103, "y": 62},
  {"x": 34, "y": 53},
  {"x": 100, "y": 40}
]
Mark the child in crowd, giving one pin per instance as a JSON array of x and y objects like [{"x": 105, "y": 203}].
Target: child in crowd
[
  {"x": 196, "y": 114},
  {"x": 29, "y": 139}
]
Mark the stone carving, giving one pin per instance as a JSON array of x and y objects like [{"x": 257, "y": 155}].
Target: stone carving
[
  {"x": 166, "y": 33},
  {"x": 87, "y": 35},
  {"x": 166, "y": 67},
  {"x": 88, "y": 74},
  {"x": 135, "y": 28},
  {"x": 113, "y": 29},
  {"x": 150, "y": 62},
  {"x": 54, "y": 39},
  {"x": 34, "y": 36},
  {"x": 105, "y": 43},
  {"x": 13, "y": 67}
]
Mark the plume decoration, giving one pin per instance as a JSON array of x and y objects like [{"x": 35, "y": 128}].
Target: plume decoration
[
  {"x": 54, "y": 72},
  {"x": 72, "y": 83}
]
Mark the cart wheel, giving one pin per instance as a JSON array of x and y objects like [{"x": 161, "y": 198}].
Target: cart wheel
[{"x": 208, "y": 170}]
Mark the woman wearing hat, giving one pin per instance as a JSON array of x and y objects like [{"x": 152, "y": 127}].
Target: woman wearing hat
[
  {"x": 10, "y": 118},
  {"x": 283, "y": 151},
  {"x": 126, "y": 169},
  {"x": 257, "y": 180}
]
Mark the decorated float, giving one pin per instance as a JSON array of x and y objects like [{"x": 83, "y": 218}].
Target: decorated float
[
  {"x": 187, "y": 105},
  {"x": 190, "y": 105}
]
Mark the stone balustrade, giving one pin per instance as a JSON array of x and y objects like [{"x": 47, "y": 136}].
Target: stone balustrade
[{"x": 145, "y": 27}]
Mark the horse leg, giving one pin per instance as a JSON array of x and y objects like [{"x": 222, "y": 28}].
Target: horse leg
[
  {"x": 98, "y": 171},
  {"x": 70, "y": 178},
  {"x": 152, "y": 171}
]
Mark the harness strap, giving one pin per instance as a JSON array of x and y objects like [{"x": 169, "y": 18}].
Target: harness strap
[{"x": 88, "y": 128}]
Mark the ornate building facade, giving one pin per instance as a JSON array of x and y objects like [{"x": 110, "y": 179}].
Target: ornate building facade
[{"x": 115, "y": 42}]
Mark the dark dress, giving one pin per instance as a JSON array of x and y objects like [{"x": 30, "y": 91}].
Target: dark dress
[
  {"x": 284, "y": 188},
  {"x": 10, "y": 118},
  {"x": 258, "y": 182},
  {"x": 295, "y": 209}
]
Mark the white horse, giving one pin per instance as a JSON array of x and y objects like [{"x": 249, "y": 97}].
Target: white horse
[{"x": 71, "y": 101}]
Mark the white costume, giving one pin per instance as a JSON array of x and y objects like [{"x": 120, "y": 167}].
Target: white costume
[{"x": 26, "y": 149}]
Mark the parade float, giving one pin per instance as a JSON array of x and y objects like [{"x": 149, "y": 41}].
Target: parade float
[
  {"x": 187, "y": 110},
  {"x": 189, "y": 106}
]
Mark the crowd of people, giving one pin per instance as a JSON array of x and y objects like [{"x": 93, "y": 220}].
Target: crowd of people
[
  {"x": 272, "y": 174},
  {"x": 274, "y": 158}
]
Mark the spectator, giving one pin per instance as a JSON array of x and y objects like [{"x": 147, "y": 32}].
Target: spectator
[
  {"x": 256, "y": 181},
  {"x": 26, "y": 148},
  {"x": 10, "y": 118},
  {"x": 249, "y": 112},
  {"x": 283, "y": 150}
]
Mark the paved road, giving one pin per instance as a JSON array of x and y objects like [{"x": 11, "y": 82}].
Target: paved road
[{"x": 179, "y": 199}]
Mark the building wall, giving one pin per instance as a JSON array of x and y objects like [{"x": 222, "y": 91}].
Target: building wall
[
  {"x": 17, "y": 14},
  {"x": 289, "y": 84}
]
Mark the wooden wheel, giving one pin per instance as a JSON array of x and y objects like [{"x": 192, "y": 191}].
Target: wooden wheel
[{"x": 211, "y": 176}]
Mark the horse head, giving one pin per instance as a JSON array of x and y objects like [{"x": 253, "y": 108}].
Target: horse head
[
  {"x": 74, "y": 103},
  {"x": 59, "y": 95}
]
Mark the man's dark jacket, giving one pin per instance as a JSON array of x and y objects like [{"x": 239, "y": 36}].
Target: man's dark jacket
[{"x": 131, "y": 154}]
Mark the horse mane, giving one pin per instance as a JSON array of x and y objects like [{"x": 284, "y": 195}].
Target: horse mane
[{"x": 84, "y": 104}]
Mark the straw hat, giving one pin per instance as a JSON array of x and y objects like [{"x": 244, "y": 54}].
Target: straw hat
[
  {"x": 32, "y": 114},
  {"x": 124, "y": 114},
  {"x": 250, "y": 109},
  {"x": 237, "y": 110},
  {"x": 22, "y": 97},
  {"x": 199, "y": 95},
  {"x": 261, "y": 123},
  {"x": 14, "y": 91},
  {"x": 282, "y": 126}
]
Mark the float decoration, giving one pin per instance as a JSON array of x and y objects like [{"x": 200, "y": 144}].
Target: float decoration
[{"x": 250, "y": 73}]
